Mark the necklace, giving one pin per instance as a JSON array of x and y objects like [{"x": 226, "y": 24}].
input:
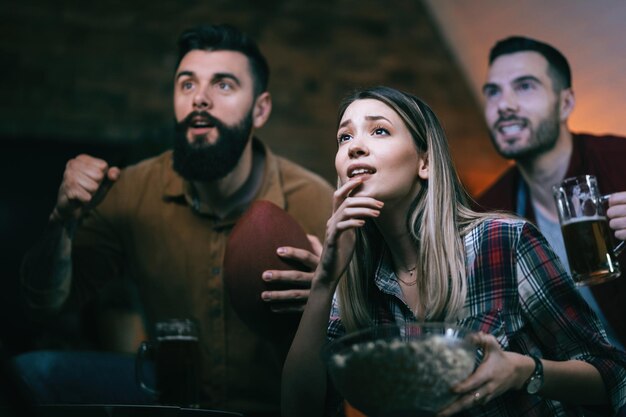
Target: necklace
[
  {"x": 410, "y": 283},
  {"x": 407, "y": 283}
]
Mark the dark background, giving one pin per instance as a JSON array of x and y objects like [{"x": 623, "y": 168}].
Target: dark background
[{"x": 96, "y": 77}]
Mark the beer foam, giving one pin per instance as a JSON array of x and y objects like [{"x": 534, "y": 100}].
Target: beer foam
[
  {"x": 584, "y": 219},
  {"x": 178, "y": 337}
]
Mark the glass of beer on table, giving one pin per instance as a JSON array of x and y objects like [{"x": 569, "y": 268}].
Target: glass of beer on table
[
  {"x": 587, "y": 236},
  {"x": 176, "y": 355}
]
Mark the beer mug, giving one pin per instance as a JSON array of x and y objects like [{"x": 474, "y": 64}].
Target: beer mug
[
  {"x": 586, "y": 233},
  {"x": 176, "y": 354}
]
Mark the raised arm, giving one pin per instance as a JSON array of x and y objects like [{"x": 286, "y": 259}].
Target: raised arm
[
  {"x": 47, "y": 267},
  {"x": 304, "y": 373}
]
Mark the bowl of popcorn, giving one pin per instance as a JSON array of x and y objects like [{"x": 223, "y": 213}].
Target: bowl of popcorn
[{"x": 401, "y": 370}]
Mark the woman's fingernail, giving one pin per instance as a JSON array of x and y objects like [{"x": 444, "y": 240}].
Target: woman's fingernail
[
  {"x": 267, "y": 275},
  {"x": 265, "y": 296},
  {"x": 281, "y": 251}
]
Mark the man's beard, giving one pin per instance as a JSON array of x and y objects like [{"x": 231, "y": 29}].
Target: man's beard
[
  {"x": 199, "y": 161},
  {"x": 541, "y": 140}
]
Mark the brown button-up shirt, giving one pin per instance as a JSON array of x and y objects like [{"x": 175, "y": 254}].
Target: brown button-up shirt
[{"x": 146, "y": 230}]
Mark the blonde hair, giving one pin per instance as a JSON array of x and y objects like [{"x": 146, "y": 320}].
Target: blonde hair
[{"x": 438, "y": 219}]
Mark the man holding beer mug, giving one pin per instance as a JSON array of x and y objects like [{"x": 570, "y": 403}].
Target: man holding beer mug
[
  {"x": 165, "y": 223},
  {"x": 528, "y": 100}
]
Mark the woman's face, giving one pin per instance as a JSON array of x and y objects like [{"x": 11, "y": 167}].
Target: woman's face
[{"x": 375, "y": 144}]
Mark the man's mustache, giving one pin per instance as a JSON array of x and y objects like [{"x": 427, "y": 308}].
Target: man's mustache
[
  {"x": 510, "y": 119},
  {"x": 196, "y": 116}
]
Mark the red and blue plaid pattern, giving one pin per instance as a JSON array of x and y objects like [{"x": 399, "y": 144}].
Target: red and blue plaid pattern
[{"x": 519, "y": 292}]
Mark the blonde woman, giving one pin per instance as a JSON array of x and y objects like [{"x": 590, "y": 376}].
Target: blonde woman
[{"x": 403, "y": 245}]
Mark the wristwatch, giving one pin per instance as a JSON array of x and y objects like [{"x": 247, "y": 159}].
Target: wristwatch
[{"x": 535, "y": 382}]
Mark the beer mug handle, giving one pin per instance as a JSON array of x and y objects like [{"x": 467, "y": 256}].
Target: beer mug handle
[
  {"x": 144, "y": 348},
  {"x": 620, "y": 246}
]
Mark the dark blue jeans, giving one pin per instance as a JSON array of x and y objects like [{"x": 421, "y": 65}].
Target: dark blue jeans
[{"x": 82, "y": 377}]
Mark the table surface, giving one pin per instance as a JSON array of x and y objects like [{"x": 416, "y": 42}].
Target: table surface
[{"x": 106, "y": 410}]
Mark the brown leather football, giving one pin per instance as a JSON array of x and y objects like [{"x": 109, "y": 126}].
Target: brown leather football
[{"x": 251, "y": 250}]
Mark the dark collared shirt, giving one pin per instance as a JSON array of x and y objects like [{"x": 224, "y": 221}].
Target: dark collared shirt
[{"x": 602, "y": 156}]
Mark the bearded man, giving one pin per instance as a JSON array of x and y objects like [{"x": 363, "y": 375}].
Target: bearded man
[
  {"x": 528, "y": 100},
  {"x": 164, "y": 223}
]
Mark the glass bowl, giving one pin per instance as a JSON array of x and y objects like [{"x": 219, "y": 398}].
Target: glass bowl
[{"x": 401, "y": 370}]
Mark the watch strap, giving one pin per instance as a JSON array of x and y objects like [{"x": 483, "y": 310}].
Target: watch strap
[{"x": 537, "y": 376}]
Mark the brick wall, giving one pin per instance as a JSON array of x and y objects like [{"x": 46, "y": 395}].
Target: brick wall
[
  {"x": 101, "y": 71},
  {"x": 96, "y": 76}
]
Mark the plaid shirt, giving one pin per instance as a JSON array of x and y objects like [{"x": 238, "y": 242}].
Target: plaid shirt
[{"x": 519, "y": 292}]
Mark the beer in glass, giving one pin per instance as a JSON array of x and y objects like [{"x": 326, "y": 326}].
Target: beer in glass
[
  {"x": 176, "y": 354},
  {"x": 586, "y": 233}
]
